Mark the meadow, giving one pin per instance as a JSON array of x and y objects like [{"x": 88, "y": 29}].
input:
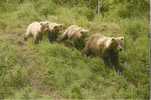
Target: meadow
[{"x": 53, "y": 71}]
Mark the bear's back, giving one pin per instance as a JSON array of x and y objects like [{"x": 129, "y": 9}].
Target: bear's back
[
  {"x": 34, "y": 27},
  {"x": 98, "y": 41},
  {"x": 73, "y": 31}
]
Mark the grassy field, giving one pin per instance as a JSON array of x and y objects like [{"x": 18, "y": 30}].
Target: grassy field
[{"x": 54, "y": 71}]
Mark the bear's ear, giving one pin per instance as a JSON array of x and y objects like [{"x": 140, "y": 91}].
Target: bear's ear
[
  {"x": 121, "y": 38},
  {"x": 55, "y": 27},
  {"x": 113, "y": 39},
  {"x": 47, "y": 23},
  {"x": 61, "y": 25},
  {"x": 41, "y": 23},
  {"x": 44, "y": 23},
  {"x": 84, "y": 31}
]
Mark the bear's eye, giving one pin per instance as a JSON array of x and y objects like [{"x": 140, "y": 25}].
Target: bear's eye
[
  {"x": 55, "y": 27},
  {"x": 122, "y": 38},
  {"x": 113, "y": 39},
  {"x": 41, "y": 24}
]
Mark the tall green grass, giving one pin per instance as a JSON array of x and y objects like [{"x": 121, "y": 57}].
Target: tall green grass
[{"x": 36, "y": 71}]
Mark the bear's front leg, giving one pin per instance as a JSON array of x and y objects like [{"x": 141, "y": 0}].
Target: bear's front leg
[
  {"x": 40, "y": 37},
  {"x": 36, "y": 39},
  {"x": 107, "y": 59},
  {"x": 52, "y": 36}
]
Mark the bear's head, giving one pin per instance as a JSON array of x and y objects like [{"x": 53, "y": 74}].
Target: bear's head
[
  {"x": 57, "y": 28},
  {"x": 117, "y": 43},
  {"x": 83, "y": 33},
  {"x": 44, "y": 26}
]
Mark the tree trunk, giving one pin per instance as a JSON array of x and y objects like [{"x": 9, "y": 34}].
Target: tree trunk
[{"x": 98, "y": 7}]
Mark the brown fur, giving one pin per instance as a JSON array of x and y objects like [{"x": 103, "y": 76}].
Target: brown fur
[
  {"x": 105, "y": 47},
  {"x": 98, "y": 45},
  {"x": 36, "y": 30},
  {"x": 54, "y": 31},
  {"x": 73, "y": 32}
]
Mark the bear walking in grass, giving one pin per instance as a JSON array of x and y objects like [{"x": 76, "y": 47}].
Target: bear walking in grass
[
  {"x": 73, "y": 32},
  {"x": 54, "y": 31},
  {"x": 105, "y": 47},
  {"x": 76, "y": 34},
  {"x": 36, "y": 30}
]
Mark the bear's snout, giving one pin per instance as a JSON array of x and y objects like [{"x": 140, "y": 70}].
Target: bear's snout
[
  {"x": 46, "y": 29},
  {"x": 120, "y": 49}
]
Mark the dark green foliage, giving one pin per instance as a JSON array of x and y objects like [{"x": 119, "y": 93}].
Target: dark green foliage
[{"x": 136, "y": 58}]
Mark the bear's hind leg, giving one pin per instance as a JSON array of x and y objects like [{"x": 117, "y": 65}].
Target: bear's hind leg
[
  {"x": 62, "y": 38},
  {"x": 86, "y": 52},
  {"x": 26, "y": 36}
]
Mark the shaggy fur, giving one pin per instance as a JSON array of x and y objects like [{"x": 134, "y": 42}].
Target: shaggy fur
[
  {"x": 54, "y": 31},
  {"x": 105, "y": 47},
  {"x": 36, "y": 30},
  {"x": 73, "y": 32}
]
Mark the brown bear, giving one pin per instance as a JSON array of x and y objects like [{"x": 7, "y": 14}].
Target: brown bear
[
  {"x": 36, "y": 30},
  {"x": 74, "y": 33},
  {"x": 105, "y": 47},
  {"x": 54, "y": 32}
]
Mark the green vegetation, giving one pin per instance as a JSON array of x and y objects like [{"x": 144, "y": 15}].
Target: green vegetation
[{"x": 53, "y": 71}]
